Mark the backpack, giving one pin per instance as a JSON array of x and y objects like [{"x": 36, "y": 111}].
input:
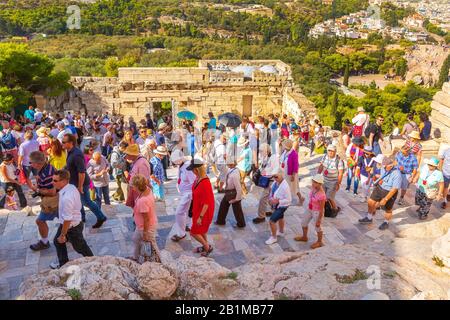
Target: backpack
[
  {"x": 329, "y": 212},
  {"x": 8, "y": 141}
]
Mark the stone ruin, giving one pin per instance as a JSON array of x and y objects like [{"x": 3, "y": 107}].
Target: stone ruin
[{"x": 246, "y": 87}]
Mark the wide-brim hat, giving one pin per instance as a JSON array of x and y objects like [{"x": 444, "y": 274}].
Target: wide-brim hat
[
  {"x": 195, "y": 163},
  {"x": 360, "y": 109},
  {"x": 331, "y": 147},
  {"x": 132, "y": 150},
  {"x": 318, "y": 178},
  {"x": 162, "y": 126},
  {"x": 387, "y": 161},
  {"x": 43, "y": 131},
  {"x": 414, "y": 135},
  {"x": 161, "y": 150},
  {"x": 242, "y": 142},
  {"x": 432, "y": 162},
  {"x": 368, "y": 149}
]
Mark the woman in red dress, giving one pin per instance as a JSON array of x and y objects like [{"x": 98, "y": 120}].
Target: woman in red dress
[{"x": 202, "y": 206}]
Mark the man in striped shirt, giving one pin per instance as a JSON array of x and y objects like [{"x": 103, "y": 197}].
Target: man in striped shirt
[{"x": 44, "y": 188}]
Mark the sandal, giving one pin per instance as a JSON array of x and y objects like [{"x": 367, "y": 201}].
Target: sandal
[
  {"x": 206, "y": 253},
  {"x": 177, "y": 238},
  {"x": 199, "y": 250}
]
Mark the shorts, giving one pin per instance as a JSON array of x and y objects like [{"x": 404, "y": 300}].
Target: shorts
[
  {"x": 311, "y": 215},
  {"x": 278, "y": 214},
  {"x": 379, "y": 193},
  {"x": 446, "y": 181},
  {"x": 405, "y": 182},
  {"x": 330, "y": 189},
  {"x": 47, "y": 216}
]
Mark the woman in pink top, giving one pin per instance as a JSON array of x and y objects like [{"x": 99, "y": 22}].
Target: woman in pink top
[
  {"x": 144, "y": 217},
  {"x": 316, "y": 209}
]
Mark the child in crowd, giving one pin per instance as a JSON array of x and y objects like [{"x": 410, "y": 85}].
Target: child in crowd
[
  {"x": 316, "y": 210},
  {"x": 11, "y": 201},
  {"x": 364, "y": 171}
]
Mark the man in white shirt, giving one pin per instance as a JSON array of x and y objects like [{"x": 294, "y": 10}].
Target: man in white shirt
[
  {"x": 38, "y": 116},
  {"x": 143, "y": 140},
  {"x": 69, "y": 216},
  {"x": 184, "y": 184},
  {"x": 62, "y": 131},
  {"x": 25, "y": 149}
]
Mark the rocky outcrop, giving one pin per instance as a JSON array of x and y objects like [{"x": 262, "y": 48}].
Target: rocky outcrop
[
  {"x": 102, "y": 278},
  {"x": 440, "y": 114},
  {"x": 331, "y": 272},
  {"x": 441, "y": 250}
]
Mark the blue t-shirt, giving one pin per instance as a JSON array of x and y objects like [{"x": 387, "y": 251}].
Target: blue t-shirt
[
  {"x": 73, "y": 129},
  {"x": 29, "y": 114},
  {"x": 160, "y": 139},
  {"x": 426, "y": 131},
  {"x": 212, "y": 123},
  {"x": 246, "y": 164},
  {"x": 391, "y": 180}
]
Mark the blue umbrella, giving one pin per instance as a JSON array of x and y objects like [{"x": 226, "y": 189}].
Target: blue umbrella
[
  {"x": 230, "y": 120},
  {"x": 186, "y": 115}
]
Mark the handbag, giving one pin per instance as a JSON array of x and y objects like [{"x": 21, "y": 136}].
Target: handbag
[
  {"x": 49, "y": 204},
  {"x": 22, "y": 178}
]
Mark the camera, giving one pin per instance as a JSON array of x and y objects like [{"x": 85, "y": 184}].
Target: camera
[{"x": 36, "y": 194}]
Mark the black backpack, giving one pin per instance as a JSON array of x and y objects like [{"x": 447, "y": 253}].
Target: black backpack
[{"x": 329, "y": 212}]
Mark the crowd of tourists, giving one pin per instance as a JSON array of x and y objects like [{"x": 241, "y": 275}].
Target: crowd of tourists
[{"x": 70, "y": 160}]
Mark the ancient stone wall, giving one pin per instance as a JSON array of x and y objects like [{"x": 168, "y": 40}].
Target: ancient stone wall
[
  {"x": 440, "y": 114},
  {"x": 256, "y": 88}
]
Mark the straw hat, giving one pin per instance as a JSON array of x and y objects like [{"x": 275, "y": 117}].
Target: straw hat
[
  {"x": 161, "y": 150},
  {"x": 360, "y": 109},
  {"x": 242, "y": 142},
  {"x": 331, "y": 147},
  {"x": 132, "y": 150},
  {"x": 195, "y": 163},
  {"x": 318, "y": 178},
  {"x": 414, "y": 135},
  {"x": 43, "y": 131}
]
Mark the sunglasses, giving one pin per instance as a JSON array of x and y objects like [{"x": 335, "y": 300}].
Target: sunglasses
[
  {"x": 54, "y": 180},
  {"x": 64, "y": 142}
]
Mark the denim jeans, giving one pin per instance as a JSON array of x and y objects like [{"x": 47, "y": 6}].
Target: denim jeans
[
  {"x": 376, "y": 148},
  {"x": 86, "y": 201},
  {"x": 102, "y": 192},
  {"x": 75, "y": 237},
  {"x": 350, "y": 176}
]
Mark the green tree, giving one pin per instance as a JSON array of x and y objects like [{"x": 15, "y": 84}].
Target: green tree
[
  {"x": 347, "y": 72},
  {"x": 443, "y": 76},
  {"x": 24, "y": 73}
]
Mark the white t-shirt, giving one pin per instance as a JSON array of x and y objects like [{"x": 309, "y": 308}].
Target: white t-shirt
[
  {"x": 361, "y": 119},
  {"x": 69, "y": 205},
  {"x": 446, "y": 166},
  {"x": 61, "y": 134},
  {"x": 38, "y": 116}
]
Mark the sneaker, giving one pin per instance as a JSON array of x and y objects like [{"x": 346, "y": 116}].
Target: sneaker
[
  {"x": 365, "y": 220},
  {"x": 54, "y": 265},
  {"x": 384, "y": 226},
  {"x": 258, "y": 220},
  {"x": 280, "y": 234},
  {"x": 347, "y": 190},
  {"x": 271, "y": 240},
  {"x": 40, "y": 246},
  {"x": 401, "y": 201}
]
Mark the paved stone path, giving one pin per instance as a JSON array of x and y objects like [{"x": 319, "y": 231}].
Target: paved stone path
[{"x": 231, "y": 247}]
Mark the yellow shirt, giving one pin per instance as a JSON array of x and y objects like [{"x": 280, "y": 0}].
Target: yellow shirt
[{"x": 58, "y": 162}]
